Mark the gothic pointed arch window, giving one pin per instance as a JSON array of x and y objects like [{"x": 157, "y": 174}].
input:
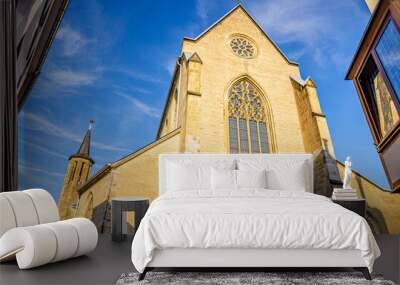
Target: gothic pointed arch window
[{"x": 247, "y": 119}]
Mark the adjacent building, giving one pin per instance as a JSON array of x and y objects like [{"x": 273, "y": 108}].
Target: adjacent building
[{"x": 375, "y": 71}]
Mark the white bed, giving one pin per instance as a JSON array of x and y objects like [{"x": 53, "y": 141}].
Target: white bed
[{"x": 201, "y": 223}]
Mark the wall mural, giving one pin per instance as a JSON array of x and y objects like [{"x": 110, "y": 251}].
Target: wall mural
[{"x": 145, "y": 93}]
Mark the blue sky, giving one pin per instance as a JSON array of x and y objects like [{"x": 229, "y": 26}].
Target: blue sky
[{"x": 112, "y": 61}]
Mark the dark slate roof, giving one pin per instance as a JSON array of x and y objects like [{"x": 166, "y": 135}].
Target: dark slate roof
[{"x": 84, "y": 149}]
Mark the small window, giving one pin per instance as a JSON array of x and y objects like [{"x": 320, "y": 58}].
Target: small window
[{"x": 72, "y": 172}]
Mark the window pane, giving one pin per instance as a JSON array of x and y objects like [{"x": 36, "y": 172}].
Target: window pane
[
  {"x": 233, "y": 135},
  {"x": 378, "y": 98},
  {"x": 244, "y": 140},
  {"x": 264, "y": 138},
  {"x": 388, "y": 50},
  {"x": 255, "y": 148}
]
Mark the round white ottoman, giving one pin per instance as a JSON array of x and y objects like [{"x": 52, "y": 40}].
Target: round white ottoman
[{"x": 40, "y": 244}]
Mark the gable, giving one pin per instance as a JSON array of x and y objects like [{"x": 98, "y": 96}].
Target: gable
[{"x": 226, "y": 16}]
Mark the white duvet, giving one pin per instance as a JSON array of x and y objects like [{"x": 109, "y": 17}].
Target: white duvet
[{"x": 250, "y": 219}]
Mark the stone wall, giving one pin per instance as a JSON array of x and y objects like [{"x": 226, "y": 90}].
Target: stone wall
[
  {"x": 326, "y": 174},
  {"x": 134, "y": 175},
  {"x": 383, "y": 207}
]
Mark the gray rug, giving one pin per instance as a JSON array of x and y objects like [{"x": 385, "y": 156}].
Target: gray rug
[{"x": 229, "y": 278}]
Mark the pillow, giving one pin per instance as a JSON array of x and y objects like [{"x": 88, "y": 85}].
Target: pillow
[
  {"x": 292, "y": 179},
  {"x": 183, "y": 178},
  {"x": 251, "y": 178},
  {"x": 281, "y": 173},
  {"x": 189, "y": 176},
  {"x": 223, "y": 179}
]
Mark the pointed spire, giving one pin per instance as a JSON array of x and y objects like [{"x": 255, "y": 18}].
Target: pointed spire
[{"x": 84, "y": 149}]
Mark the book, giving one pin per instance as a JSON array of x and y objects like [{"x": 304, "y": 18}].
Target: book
[
  {"x": 341, "y": 190},
  {"x": 345, "y": 198},
  {"x": 345, "y": 194},
  {"x": 351, "y": 196}
]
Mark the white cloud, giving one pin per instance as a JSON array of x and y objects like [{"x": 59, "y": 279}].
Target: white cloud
[
  {"x": 45, "y": 149},
  {"x": 71, "y": 78},
  {"x": 141, "y": 90},
  {"x": 170, "y": 64},
  {"x": 297, "y": 54},
  {"x": 128, "y": 88},
  {"x": 136, "y": 74},
  {"x": 152, "y": 112},
  {"x": 36, "y": 122},
  {"x": 41, "y": 124},
  {"x": 306, "y": 24},
  {"x": 108, "y": 147},
  {"x": 72, "y": 41},
  {"x": 291, "y": 21},
  {"x": 39, "y": 170},
  {"x": 204, "y": 8},
  {"x": 143, "y": 107}
]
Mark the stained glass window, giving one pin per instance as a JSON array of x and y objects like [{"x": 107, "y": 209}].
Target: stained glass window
[
  {"x": 244, "y": 139},
  {"x": 247, "y": 119},
  {"x": 388, "y": 50},
  {"x": 264, "y": 138},
  {"x": 255, "y": 147},
  {"x": 243, "y": 47},
  {"x": 380, "y": 102},
  {"x": 233, "y": 135}
]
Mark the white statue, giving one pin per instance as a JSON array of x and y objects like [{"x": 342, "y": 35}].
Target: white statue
[{"x": 347, "y": 174}]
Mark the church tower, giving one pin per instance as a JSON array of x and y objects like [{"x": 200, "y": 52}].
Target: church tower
[{"x": 78, "y": 172}]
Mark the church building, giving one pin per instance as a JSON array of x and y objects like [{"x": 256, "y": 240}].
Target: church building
[{"x": 232, "y": 91}]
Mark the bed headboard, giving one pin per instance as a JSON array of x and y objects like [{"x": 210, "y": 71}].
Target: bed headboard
[{"x": 206, "y": 159}]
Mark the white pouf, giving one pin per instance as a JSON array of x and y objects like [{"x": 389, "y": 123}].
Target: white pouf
[{"x": 31, "y": 232}]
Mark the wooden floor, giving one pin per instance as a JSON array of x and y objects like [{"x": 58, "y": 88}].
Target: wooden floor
[{"x": 111, "y": 259}]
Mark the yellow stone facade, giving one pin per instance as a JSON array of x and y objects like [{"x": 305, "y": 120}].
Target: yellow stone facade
[
  {"x": 195, "y": 115},
  {"x": 383, "y": 205}
]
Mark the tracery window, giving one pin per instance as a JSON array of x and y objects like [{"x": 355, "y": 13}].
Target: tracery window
[
  {"x": 248, "y": 132},
  {"x": 243, "y": 47}
]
